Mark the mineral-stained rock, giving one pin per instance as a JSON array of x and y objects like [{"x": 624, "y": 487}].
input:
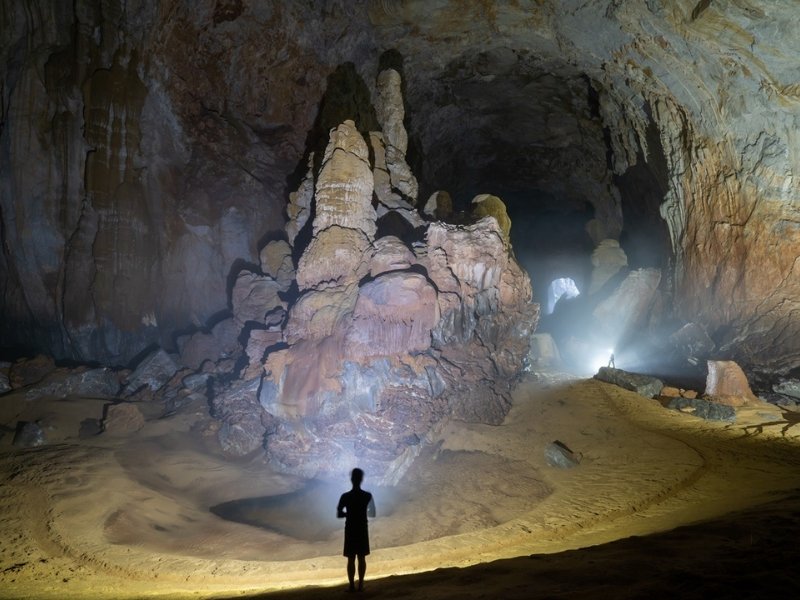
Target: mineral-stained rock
[
  {"x": 336, "y": 256},
  {"x": 253, "y": 296},
  {"x": 29, "y": 435},
  {"x": 607, "y": 260},
  {"x": 644, "y": 385},
  {"x": 465, "y": 263},
  {"x": 727, "y": 382},
  {"x": 345, "y": 185},
  {"x": 154, "y": 371},
  {"x": 122, "y": 419},
  {"x": 439, "y": 206},
  {"x": 316, "y": 313},
  {"x": 704, "y": 409},
  {"x": 486, "y": 205},
  {"x": 627, "y": 307},
  {"x": 30, "y": 370},
  {"x": 88, "y": 383},
  {"x": 394, "y": 313},
  {"x": 391, "y": 254},
  {"x": 257, "y": 343},
  {"x": 221, "y": 342},
  {"x": 558, "y": 455},
  {"x": 196, "y": 381},
  {"x": 236, "y": 405},
  {"x": 276, "y": 262}
]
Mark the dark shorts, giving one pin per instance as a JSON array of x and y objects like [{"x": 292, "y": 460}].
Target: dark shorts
[{"x": 356, "y": 540}]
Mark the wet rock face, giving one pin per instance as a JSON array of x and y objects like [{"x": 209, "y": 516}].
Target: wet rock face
[{"x": 145, "y": 148}]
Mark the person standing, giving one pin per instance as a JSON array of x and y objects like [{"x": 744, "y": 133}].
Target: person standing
[{"x": 354, "y": 507}]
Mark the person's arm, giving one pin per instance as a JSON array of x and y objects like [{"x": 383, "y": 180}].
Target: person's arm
[
  {"x": 340, "y": 512},
  {"x": 371, "y": 507}
]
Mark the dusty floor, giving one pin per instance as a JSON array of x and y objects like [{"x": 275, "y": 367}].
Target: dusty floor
[{"x": 131, "y": 517}]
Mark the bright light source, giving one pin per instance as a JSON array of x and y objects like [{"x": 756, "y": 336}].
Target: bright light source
[{"x": 563, "y": 286}]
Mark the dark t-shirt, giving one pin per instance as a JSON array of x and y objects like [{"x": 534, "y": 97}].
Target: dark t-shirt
[{"x": 355, "y": 506}]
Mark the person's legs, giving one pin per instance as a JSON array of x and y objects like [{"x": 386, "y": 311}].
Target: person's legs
[
  {"x": 362, "y": 569},
  {"x": 351, "y": 570}
]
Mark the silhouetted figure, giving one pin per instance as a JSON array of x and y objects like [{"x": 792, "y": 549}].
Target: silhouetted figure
[
  {"x": 611, "y": 363},
  {"x": 354, "y": 507}
]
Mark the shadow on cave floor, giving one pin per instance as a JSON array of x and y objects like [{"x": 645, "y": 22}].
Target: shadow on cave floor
[{"x": 745, "y": 555}]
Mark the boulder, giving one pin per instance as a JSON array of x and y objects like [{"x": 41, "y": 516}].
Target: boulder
[
  {"x": 154, "y": 371},
  {"x": 236, "y": 405},
  {"x": 607, "y": 260},
  {"x": 87, "y": 383},
  {"x": 788, "y": 387},
  {"x": 439, "y": 206},
  {"x": 253, "y": 296},
  {"x": 644, "y": 385},
  {"x": 26, "y": 371},
  {"x": 558, "y": 455},
  {"x": 28, "y": 435},
  {"x": 221, "y": 342},
  {"x": 276, "y": 262},
  {"x": 122, "y": 419},
  {"x": 486, "y": 205},
  {"x": 727, "y": 382},
  {"x": 704, "y": 409}
]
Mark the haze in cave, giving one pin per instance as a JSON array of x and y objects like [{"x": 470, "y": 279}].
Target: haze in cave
[{"x": 534, "y": 266}]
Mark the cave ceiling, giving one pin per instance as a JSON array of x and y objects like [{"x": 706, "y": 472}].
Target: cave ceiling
[{"x": 676, "y": 118}]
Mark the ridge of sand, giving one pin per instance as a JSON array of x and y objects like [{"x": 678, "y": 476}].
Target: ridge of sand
[{"x": 128, "y": 517}]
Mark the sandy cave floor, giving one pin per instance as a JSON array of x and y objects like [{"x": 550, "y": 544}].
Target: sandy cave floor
[{"x": 131, "y": 516}]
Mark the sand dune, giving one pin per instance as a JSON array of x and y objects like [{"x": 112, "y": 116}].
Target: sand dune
[{"x": 129, "y": 517}]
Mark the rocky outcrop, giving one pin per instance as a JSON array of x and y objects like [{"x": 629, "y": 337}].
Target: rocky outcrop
[
  {"x": 727, "y": 383},
  {"x": 385, "y": 341}
]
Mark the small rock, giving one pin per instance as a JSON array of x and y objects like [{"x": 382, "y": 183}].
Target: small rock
[
  {"x": 644, "y": 385},
  {"x": 670, "y": 392},
  {"x": 122, "y": 419},
  {"x": 28, "y": 435},
  {"x": 698, "y": 407},
  {"x": 689, "y": 394},
  {"x": 558, "y": 455}
]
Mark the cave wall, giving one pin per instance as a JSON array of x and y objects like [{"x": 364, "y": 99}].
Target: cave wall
[{"x": 145, "y": 147}]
